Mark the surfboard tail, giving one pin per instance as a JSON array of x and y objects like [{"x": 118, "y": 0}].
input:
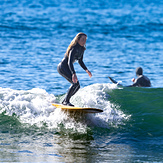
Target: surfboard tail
[{"x": 113, "y": 81}]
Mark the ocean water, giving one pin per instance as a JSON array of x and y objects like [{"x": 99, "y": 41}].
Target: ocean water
[{"x": 122, "y": 35}]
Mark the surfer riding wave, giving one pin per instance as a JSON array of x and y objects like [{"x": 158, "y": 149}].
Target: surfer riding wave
[{"x": 74, "y": 52}]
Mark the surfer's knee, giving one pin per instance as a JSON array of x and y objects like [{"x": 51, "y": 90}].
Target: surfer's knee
[{"x": 77, "y": 85}]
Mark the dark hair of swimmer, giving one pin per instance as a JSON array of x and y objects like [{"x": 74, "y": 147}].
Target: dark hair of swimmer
[{"x": 139, "y": 71}]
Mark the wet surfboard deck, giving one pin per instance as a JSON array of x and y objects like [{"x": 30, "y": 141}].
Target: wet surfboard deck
[{"x": 80, "y": 109}]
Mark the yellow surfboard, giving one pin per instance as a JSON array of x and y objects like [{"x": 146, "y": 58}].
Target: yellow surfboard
[{"x": 71, "y": 108}]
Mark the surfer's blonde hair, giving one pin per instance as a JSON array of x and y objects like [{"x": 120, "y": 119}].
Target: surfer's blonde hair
[{"x": 74, "y": 42}]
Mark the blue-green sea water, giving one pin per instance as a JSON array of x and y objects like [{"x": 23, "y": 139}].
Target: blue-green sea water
[{"x": 122, "y": 35}]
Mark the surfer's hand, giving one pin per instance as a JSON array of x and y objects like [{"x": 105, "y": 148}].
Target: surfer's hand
[
  {"x": 74, "y": 78},
  {"x": 133, "y": 80},
  {"x": 89, "y": 73}
]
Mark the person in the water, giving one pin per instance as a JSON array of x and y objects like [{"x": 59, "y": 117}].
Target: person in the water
[
  {"x": 142, "y": 80},
  {"x": 65, "y": 68}
]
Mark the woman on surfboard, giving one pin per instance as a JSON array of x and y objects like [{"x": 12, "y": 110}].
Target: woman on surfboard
[{"x": 65, "y": 68}]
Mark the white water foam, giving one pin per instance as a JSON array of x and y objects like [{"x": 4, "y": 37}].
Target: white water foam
[
  {"x": 97, "y": 96},
  {"x": 34, "y": 107}
]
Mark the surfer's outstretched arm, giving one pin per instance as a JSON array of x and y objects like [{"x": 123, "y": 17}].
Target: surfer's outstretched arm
[
  {"x": 89, "y": 73},
  {"x": 84, "y": 66}
]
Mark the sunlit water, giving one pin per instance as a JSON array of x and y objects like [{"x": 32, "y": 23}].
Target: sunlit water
[{"x": 122, "y": 35}]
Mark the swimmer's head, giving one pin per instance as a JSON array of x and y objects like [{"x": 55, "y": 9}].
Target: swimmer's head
[{"x": 139, "y": 71}]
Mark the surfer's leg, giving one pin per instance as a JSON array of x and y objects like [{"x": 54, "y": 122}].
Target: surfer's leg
[
  {"x": 77, "y": 87},
  {"x": 71, "y": 91},
  {"x": 65, "y": 72}
]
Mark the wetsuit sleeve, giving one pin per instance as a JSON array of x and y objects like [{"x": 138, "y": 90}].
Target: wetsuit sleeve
[
  {"x": 134, "y": 84},
  {"x": 81, "y": 63},
  {"x": 70, "y": 61}
]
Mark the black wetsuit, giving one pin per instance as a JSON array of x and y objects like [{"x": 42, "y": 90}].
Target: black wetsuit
[
  {"x": 66, "y": 68},
  {"x": 141, "y": 81}
]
